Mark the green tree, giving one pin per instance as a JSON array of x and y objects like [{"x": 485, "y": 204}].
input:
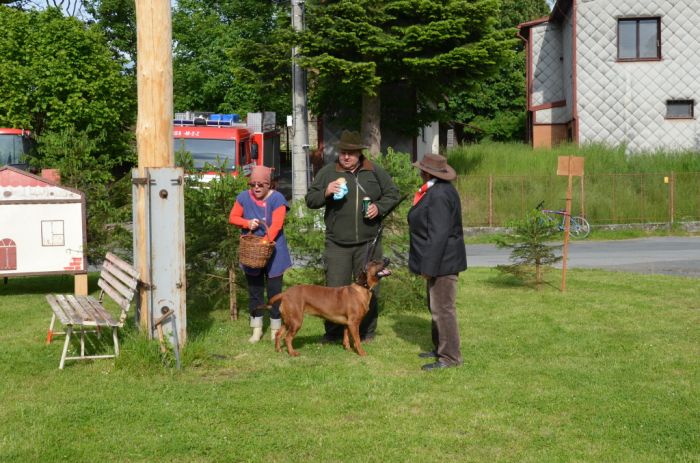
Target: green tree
[
  {"x": 117, "y": 21},
  {"x": 419, "y": 49},
  {"x": 232, "y": 56},
  {"x": 495, "y": 108},
  {"x": 211, "y": 243},
  {"x": 56, "y": 73}
]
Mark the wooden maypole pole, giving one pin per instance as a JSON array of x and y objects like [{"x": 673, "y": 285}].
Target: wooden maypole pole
[{"x": 157, "y": 193}]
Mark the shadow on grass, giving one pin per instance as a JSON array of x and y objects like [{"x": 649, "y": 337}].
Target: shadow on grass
[
  {"x": 64, "y": 284},
  {"x": 505, "y": 281},
  {"x": 412, "y": 330}
]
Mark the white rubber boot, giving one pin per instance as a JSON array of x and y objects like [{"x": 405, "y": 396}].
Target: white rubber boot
[
  {"x": 275, "y": 325},
  {"x": 257, "y": 324}
]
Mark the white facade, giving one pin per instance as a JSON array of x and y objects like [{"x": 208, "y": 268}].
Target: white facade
[
  {"x": 577, "y": 80},
  {"x": 42, "y": 226}
]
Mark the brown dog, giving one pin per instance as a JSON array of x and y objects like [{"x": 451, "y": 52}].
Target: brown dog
[{"x": 345, "y": 305}]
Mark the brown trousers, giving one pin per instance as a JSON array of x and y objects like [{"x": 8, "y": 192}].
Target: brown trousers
[{"x": 442, "y": 293}]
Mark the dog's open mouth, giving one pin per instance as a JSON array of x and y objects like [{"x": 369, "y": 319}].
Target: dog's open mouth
[{"x": 385, "y": 272}]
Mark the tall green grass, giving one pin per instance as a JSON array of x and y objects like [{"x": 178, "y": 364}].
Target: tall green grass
[
  {"x": 521, "y": 159},
  {"x": 500, "y": 182}
]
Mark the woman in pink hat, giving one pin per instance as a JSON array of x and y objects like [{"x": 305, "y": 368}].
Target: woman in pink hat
[{"x": 256, "y": 209}]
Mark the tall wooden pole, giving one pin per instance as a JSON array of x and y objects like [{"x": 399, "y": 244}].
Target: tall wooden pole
[
  {"x": 154, "y": 134},
  {"x": 570, "y": 166}
]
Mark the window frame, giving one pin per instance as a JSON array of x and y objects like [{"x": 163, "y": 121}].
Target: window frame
[
  {"x": 637, "y": 20},
  {"x": 50, "y": 237},
  {"x": 8, "y": 254},
  {"x": 690, "y": 102}
]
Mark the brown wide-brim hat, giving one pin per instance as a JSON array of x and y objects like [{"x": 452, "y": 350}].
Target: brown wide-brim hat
[
  {"x": 437, "y": 166},
  {"x": 350, "y": 141}
]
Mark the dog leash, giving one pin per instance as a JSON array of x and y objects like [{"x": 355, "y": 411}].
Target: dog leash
[{"x": 371, "y": 246}]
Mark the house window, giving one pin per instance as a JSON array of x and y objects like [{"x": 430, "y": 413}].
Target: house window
[
  {"x": 8, "y": 254},
  {"x": 680, "y": 109},
  {"x": 638, "y": 39},
  {"x": 52, "y": 233}
]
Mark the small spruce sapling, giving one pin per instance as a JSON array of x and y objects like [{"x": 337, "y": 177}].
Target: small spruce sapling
[{"x": 531, "y": 251}]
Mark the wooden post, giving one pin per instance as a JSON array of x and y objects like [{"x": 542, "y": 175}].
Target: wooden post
[
  {"x": 154, "y": 135},
  {"x": 81, "y": 284},
  {"x": 570, "y": 166}
]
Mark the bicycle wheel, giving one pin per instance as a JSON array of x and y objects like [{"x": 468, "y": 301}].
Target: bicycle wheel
[{"x": 579, "y": 228}]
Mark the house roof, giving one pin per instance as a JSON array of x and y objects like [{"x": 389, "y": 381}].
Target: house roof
[
  {"x": 18, "y": 185},
  {"x": 559, "y": 12},
  {"x": 528, "y": 24}
]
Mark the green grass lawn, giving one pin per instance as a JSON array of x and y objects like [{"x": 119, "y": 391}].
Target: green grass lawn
[{"x": 607, "y": 371}]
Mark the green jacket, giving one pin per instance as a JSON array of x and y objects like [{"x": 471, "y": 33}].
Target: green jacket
[{"x": 345, "y": 222}]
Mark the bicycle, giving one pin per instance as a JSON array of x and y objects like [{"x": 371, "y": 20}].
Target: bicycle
[{"x": 579, "y": 228}]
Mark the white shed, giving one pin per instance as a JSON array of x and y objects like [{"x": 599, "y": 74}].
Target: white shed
[
  {"x": 615, "y": 72},
  {"x": 42, "y": 226}
]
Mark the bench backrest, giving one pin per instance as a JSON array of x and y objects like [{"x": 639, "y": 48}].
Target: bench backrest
[{"x": 119, "y": 280}]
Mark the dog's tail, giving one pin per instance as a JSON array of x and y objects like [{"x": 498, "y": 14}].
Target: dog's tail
[{"x": 272, "y": 300}]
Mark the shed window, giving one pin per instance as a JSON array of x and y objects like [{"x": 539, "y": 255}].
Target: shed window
[
  {"x": 680, "y": 109},
  {"x": 638, "y": 39},
  {"x": 52, "y": 233}
]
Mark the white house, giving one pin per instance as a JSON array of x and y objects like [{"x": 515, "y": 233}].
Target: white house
[
  {"x": 615, "y": 72},
  {"x": 42, "y": 226}
]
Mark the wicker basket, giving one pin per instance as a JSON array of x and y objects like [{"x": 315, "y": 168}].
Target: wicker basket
[{"x": 254, "y": 251}]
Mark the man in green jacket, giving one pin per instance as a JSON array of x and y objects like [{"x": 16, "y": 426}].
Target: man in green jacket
[{"x": 340, "y": 187}]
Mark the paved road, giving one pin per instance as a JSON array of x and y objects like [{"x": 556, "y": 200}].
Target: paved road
[{"x": 669, "y": 256}]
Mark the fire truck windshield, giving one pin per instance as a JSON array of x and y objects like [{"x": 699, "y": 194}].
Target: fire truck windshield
[
  {"x": 11, "y": 149},
  {"x": 208, "y": 152}
]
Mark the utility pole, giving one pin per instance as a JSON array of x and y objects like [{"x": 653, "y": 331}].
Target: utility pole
[
  {"x": 158, "y": 186},
  {"x": 300, "y": 145}
]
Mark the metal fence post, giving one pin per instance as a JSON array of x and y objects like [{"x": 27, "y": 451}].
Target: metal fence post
[
  {"x": 672, "y": 193},
  {"x": 613, "y": 199},
  {"x": 583, "y": 195},
  {"x": 490, "y": 200}
]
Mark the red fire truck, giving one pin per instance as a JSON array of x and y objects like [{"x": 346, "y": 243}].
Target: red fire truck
[
  {"x": 15, "y": 145},
  {"x": 224, "y": 140}
]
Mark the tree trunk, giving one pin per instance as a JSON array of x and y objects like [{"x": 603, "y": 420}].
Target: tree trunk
[
  {"x": 371, "y": 119},
  {"x": 233, "y": 304}
]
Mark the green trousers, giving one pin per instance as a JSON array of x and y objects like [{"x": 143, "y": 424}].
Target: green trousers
[{"x": 342, "y": 265}]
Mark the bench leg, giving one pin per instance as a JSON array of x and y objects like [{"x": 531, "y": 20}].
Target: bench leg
[
  {"x": 116, "y": 341},
  {"x": 69, "y": 331},
  {"x": 82, "y": 342},
  {"x": 49, "y": 335}
]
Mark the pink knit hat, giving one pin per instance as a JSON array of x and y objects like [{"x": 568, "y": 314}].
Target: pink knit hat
[{"x": 260, "y": 174}]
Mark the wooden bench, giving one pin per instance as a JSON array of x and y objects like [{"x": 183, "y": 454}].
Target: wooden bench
[{"x": 119, "y": 280}]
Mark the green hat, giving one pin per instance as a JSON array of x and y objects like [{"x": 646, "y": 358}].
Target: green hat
[{"x": 351, "y": 141}]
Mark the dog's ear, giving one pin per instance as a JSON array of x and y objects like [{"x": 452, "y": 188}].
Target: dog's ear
[{"x": 362, "y": 278}]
